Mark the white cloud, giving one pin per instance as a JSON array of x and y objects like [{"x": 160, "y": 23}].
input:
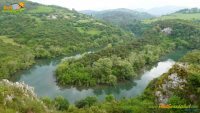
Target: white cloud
[{"x": 112, "y": 4}]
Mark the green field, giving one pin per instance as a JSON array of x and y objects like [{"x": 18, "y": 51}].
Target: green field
[
  {"x": 184, "y": 16},
  {"x": 42, "y": 9},
  {"x": 89, "y": 31},
  {"x": 8, "y": 40}
]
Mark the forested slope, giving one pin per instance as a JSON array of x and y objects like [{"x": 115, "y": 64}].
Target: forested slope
[
  {"x": 127, "y": 19},
  {"x": 122, "y": 62},
  {"x": 43, "y": 31},
  {"x": 192, "y": 14},
  {"x": 48, "y": 31},
  {"x": 179, "y": 86}
]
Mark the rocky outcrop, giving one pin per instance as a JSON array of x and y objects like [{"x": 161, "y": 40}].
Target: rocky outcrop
[
  {"x": 172, "y": 82},
  {"x": 167, "y": 30},
  {"x": 28, "y": 91},
  {"x": 19, "y": 92}
]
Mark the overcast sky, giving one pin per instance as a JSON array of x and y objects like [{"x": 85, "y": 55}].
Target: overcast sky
[{"x": 112, "y": 4}]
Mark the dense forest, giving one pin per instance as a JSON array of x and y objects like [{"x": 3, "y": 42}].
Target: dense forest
[
  {"x": 186, "y": 70},
  {"x": 125, "y": 48},
  {"x": 192, "y": 10},
  {"x": 48, "y": 31},
  {"x": 127, "y": 19},
  {"x": 124, "y": 61}
]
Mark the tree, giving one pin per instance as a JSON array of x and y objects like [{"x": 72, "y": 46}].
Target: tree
[
  {"x": 137, "y": 60},
  {"x": 61, "y": 103},
  {"x": 112, "y": 80},
  {"x": 123, "y": 70},
  {"x": 192, "y": 57},
  {"x": 109, "y": 98},
  {"x": 102, "y": 69},
  {"x": 87, "y": 102},
  {"x": 47, "y": 101},
  {"x": 176, "y": 100}
]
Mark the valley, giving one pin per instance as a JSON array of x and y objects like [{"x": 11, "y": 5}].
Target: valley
[
  {"x": 49, "y": 87},
  {"x": 57, "y": 60}
]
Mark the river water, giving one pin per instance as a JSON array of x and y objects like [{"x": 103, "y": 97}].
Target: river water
[{"x": 41, "y": 77}]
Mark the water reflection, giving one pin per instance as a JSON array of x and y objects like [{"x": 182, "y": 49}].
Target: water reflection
[{"x": 41, "y": 77}]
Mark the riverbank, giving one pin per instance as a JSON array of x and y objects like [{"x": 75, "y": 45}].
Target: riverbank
[{"x": 41, "y": 77}]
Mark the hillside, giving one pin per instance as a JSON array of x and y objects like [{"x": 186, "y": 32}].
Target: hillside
[
  {"x": 184, "y": 14},
  {"x": 192, "y": 10},
  {"x": 121, "y": 63},
  {"x": 118, "y": 14},
  {"x": 49, "y": 31},
  {"x": 159, "y": 11},
  {"x": 125, "y": 18},
  {"x": 101, "y": 61},
  {"x": 179, "y": 86}
]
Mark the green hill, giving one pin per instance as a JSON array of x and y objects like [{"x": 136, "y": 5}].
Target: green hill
[
  {"x": 49, "y": 31},
  {"x": 122, "y": 62},
  {"x": 192, "y": 10},
  {"x": 18, "y": 97},
  {"x": 185, "y": 14},
  {"x": 120, "y": 15},
  {"x": 125, "y": 18},
  {"x": 42, "y": 31}
]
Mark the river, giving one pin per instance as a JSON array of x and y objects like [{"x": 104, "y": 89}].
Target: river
[{"x": 41, "y": 77}]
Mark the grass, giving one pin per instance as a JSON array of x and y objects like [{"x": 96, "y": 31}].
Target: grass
[
  {"x": 80, "y": 29},
  {"x": 42, "y": 9},
  {"x": 92, "y": 31},
  {"x": 190, "y": 16},
  {"x": 84, "y": 21},
  {"x": 8, "y": 40}
]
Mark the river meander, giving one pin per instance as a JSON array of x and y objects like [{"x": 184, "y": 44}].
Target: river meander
[{"x": 41, "y": 77}]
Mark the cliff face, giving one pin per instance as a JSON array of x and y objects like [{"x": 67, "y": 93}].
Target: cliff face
[
  {"x": 172, "y": 81},
  {"x": 179, "y": 86}
]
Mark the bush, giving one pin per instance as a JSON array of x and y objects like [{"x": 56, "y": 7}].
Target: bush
[
  {"x": 110, "y": 98},
  {"x": 176, "y": 100},
  {"x": 87, "y": 102},
  {"x": 61, "y": 103}
]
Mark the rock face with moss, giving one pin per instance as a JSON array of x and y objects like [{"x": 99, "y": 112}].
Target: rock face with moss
[
  {"x": 170, "y": 83},
  {"x": 181, "y": 84},
  {"x": 25, "y": 90},
  {"x": 19, "y": 98}
]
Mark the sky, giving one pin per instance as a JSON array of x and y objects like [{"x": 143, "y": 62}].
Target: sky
[{"x": 113, "y": 4}]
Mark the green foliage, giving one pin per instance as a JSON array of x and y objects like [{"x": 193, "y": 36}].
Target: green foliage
[
  {"x": 192, "y": 16},
  {"x": 192, "y": 10},
  {"x": 192, "y": 57},
  {"x": 176, "y": 100},
  {"x": 87, "y": 102},
  {"x": 42, "y": 9},
  {"x": 137, "y": 27},
  {"x": 121, "y": 15},
  {"x": 184, "y": 32},
  {"x": 102, "y": 71},
  {"x": 187, "y": 92},
  {"x": 48, "y": 31},
  {"x": 126, "y": 19},
  {"x": 113, "y": 63},
  {"x": 48, "y": 102},
  {"x": 13, "y": 57},
  {"x": 16, "y": 98},
  {"x": 61, "y": 103},
  {"x": 109, "y": 98}
]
